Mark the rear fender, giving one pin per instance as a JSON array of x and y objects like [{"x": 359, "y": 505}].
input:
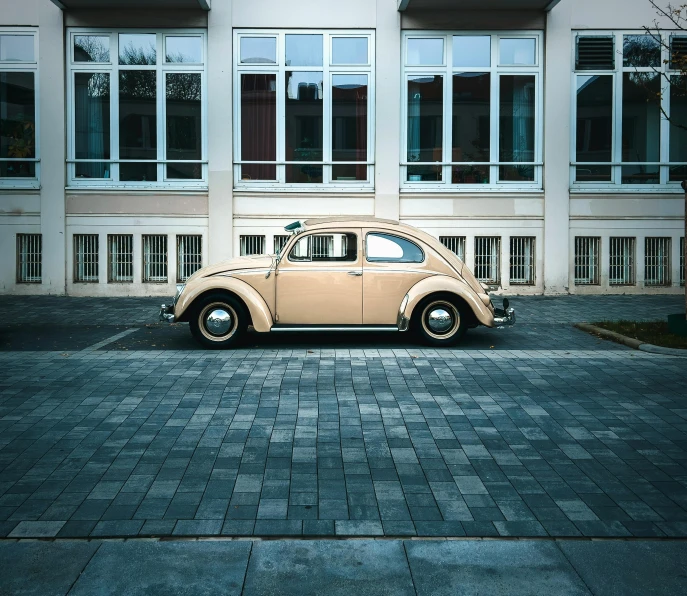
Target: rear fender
[
  {"x": 447, "y": 285},
  {"x": 259, "y": 312}
]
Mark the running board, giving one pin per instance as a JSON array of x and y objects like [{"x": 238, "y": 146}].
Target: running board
[{"x": 321, "y": 328}]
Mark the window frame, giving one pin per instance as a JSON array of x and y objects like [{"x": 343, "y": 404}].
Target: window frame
[
  {"x": 616, "y": 164},
  {"x": 327, "y": 233},
  {"x": 113, "y": 68},
  {"x": 28, "y": 67},
  {"x": 390, "y": 260},
  {"x": 495, "y": 71},
  {"x": 329, "y": 70}
]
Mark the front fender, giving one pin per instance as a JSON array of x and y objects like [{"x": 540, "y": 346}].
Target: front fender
[
  {"x": 450, "y": 285},
  {"x": 259, "y": 312}
]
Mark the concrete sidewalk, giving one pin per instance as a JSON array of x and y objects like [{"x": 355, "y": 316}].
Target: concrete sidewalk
[{"x": 333, "y": 567}]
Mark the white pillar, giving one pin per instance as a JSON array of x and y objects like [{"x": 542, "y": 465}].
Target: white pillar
[
  {"x": 387, "y": 109},
  {"x": 558, "y": 94},
  {"x": 220, "y": 154},
  {"x": 52, "y": 146}
]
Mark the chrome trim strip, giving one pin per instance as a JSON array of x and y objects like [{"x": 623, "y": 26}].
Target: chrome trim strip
[{"x": 351, "y": 328}]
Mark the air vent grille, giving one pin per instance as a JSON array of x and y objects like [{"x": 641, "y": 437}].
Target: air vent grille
[
  {"x": 678, "y": 52},
  {"x": 595, "y": 53}
]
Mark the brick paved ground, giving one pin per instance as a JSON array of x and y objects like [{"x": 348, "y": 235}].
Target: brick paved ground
[{"x": 535, "y": 430}]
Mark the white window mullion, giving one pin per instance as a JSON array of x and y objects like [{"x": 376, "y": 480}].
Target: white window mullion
[
  {"x": 494, "y": 120},
  {"x": 281, "y": 107},
  {"x": 618, "y": 113},
  {"x": 327, "y": 86},
  {"x": 447, "y": 136},
  {"x": 664, "y": 148},
  {"x": 114, "y": 107},
  {"x": 161, "y": 123}
]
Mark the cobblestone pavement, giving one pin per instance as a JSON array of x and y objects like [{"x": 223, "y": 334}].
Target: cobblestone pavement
[{"x": 121, "y": 429}]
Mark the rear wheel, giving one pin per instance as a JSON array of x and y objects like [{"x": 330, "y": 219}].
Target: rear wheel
[
  {"x": 440, "y": 321},
  {"x": 218, "y": 321}
]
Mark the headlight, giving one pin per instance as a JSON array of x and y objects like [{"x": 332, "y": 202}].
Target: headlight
[{"x": 180, "y": 289}]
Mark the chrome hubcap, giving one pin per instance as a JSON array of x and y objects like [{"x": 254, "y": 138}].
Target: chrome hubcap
[
  {"x": 218, "y": 322},
  {"x": 439, "y": 320}
]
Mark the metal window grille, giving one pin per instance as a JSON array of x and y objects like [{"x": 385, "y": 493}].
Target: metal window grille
[
  {"x": 86, "y": 258},
  {"x": 522, "y": 260},
  {"x": 682, "y": 261},
  {"x": 622, "y": 262},
  {"x": 587, "y": 261},
  {"x": 488, "y": 259},
  {"x": 657, "y": 261},
  {"x": 155, "y": 258},
  {"x": 322, "y": 247},
  {"x": 29, "y": 258},
  {"x": 456, "y": 244},
  {"x": 120, "y": 257},
  {"x": 189, "y": 255},
  {"x": 252, "y": 245},
  {"x": 280, "y": 242}
]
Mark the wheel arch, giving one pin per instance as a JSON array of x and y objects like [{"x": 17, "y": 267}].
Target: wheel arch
[
  {"x": 440, "y": 285},
  {"x": 258, "y": 311}
]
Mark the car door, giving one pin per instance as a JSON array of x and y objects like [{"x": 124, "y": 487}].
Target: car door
[
  {"x": 319, "y": 281},
  {"x": 393, "y": 264}
]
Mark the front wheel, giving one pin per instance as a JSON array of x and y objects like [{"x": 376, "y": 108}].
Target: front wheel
[
  {"x": 440, "y": 322},
  {"x": 218, "y": 321}
]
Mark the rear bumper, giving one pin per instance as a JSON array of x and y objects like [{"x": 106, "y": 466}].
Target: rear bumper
[{"x": 504, "y": 317}]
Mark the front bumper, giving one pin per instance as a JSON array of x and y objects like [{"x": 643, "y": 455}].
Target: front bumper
[
  {"x": 167, "y": 310},
  {"x": 167, "y": 313}
]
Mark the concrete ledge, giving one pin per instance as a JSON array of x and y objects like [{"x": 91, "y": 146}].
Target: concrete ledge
[{"x": 631, "y": 342}]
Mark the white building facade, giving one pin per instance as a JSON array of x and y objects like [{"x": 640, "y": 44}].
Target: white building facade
[{"x": 140, "y": 140}]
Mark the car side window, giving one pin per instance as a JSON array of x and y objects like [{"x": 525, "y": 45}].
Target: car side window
[
  {"x": 336, "y": 247},
  {"x": 385, "y": 248}
]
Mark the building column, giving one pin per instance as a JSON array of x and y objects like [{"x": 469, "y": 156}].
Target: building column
[
  {"x": 51, "y": 110},
  {"x": 220, "y": 133},
  {"x": 387, "y": 109},
  {"x": 558, "y": 94}
]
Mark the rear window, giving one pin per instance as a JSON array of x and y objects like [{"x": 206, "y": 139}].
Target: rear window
[{"x": 385, "y": 248}]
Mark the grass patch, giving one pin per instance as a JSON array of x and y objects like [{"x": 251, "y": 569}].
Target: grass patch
[{"x": 653, "y": 332}]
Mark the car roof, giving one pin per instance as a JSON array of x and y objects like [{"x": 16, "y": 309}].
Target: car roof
[{"x": 352, "y": 221}]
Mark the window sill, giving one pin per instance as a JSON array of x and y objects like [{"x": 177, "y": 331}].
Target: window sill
[
  {"x": 138, "y": 189},
  {"x": 472, "y": 190},
  {"x": 624, "y": 190},
  {"x": 282, "y": 189}
]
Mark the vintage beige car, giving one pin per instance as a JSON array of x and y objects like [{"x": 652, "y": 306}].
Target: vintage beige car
[{"x": 339, "y": 274}]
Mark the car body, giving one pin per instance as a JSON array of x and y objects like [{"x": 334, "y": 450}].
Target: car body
[{"x": 339, "y": 274}]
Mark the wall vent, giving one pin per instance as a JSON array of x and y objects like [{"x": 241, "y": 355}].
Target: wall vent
[
  {"x": 678, "y": 52},
  {"x": 29, "y": 258},
  {"x": 595, "y": 53},
  {"x": 522, "y": 260},
  {"x": 456, "y": 244},
  {"x": 587, "y": 261},
  {"x": 120, "y": 248},
  {"x": 189, "y": 255},
  {"x": 252, "y": 245},
  {"x": 622, "y": 262},
  {"x": 488, "y": 259},
  {"x": 155, "y": 258},
  {"x": 86, "y": 258}
]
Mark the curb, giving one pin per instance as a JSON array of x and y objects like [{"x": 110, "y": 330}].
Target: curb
[{"x": 631, "y": 342}]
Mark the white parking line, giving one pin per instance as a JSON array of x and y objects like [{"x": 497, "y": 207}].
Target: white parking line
[{"x": 109, "y": 340}]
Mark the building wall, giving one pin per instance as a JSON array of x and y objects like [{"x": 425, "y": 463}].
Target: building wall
[{"x": 554, "y": 216}]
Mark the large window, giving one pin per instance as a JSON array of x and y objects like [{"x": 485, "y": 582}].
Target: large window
[
  {"x": 621, "y": 84},
  {"x": 303, "y": 104},
  {"x": 472, "y": 111},
  {"x": 137, "y": 108},
  {"x": 19, "y": 163}
]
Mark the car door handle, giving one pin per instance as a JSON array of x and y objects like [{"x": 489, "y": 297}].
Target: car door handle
[{"x": 355, "y": 273}]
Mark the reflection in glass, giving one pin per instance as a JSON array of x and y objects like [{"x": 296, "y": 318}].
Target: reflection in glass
[
  {"x": 516, "y": 134},
  {"x": 349, "y": 50},
  {"x": 303, "y": 126},
  {"x": 425, "y": 126},
  {"x": 137, "y": 124},
  {"x": 183, "y": 49},
  {"x": 184, "y": 124},
  {"x": 137, "y": 49},
  {"x": 349, "y": 125},
  {"x": 257, "y": 50},
  {"x": 259, "y": 125},
  {"x": 641, "y": 126},
  {"x": 427, "y": 51},
  {"x": 518, "y": 51},
  {"x": 16, "y": 48},
  {"x": 471, "y": 126},
  {"x": 91, "y": 48},
  {"x": 17, "y": 124},
  {"x": 471, "y": 50},
  {"x": 641, "y": 50},
  {"x": 678, "y": 127},
  {"x": 92, "y": 123},
  {"x": 303, "y": 50},
  {"x": 594, "y": 127}
]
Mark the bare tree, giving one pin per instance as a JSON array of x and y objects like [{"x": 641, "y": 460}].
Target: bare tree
[{"x": 675, "y": 81}]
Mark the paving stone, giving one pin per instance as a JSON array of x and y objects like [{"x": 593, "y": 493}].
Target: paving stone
[{"x": 491, "y": 567}]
